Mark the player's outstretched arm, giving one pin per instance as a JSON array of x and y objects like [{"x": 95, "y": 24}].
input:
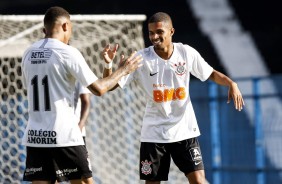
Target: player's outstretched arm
[
  {"x": 233, "y": 91},
  {"x": 101, "y": 86}
]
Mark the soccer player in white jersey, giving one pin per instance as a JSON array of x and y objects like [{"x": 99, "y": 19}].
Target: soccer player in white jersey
[
  {"x": 50, "y": 67},
  {"x": 169, "y": 128}
]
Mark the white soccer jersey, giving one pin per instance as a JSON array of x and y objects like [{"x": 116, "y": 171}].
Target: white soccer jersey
[
  {"x": 169, "y": 115},
  {"x": 50, "y": 69},
  {"x": 79, "y": 89}
]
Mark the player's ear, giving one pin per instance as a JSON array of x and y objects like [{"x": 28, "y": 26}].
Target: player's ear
[
  {"x": 65, "y": 26},
  {"x": 44, "y": 30},
  {"x": 172, "y": 31}
]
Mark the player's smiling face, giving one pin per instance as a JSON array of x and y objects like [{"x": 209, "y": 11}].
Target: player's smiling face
[{"x": 160, "y": 34}]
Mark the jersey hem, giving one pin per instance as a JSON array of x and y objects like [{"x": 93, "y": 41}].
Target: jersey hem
[
  {"x": 167, "y": 141},
  {"x": 53, "y": 146}
]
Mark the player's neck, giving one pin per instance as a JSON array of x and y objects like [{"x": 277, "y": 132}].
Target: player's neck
[
  {"x": 56, "y": 36},
  {"x": 165, "y": 53}
]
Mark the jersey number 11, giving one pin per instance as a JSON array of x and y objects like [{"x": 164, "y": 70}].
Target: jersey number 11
[{"x": 34, "y": 82}]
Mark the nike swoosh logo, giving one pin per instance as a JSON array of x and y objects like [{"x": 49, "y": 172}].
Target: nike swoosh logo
[
  {"x": 151, "y": 74},
  {"x": 197, "y": 163}
]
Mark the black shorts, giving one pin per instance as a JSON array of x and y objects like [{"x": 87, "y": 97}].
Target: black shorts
[
  {"x": 60, "y": 163},
  {"x": 155, "y": 158}
]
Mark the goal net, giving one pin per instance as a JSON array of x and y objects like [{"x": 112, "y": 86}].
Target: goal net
[{"x": 113, "y": 128}]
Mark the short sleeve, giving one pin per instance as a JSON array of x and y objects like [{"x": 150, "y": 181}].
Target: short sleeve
[
  {"x": 199, "y": 67},
  {"x": 80, "y": 69}
]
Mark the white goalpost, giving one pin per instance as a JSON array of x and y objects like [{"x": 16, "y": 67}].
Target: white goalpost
[{"x": 114, "y": 125}]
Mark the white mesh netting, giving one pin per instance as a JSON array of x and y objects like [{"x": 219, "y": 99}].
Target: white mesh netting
[{"x": 113, "y": 128}]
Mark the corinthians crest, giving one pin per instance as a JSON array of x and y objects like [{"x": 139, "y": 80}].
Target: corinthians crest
[
  {"x": 180, "y": 68},
  {"x": 146, "y": 167}
]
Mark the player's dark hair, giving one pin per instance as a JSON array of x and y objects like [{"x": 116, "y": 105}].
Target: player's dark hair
[
  {"x": 52, "y": 15},
  {"x": 160, "y": 17}
]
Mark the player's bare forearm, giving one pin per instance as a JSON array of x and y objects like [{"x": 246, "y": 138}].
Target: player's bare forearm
[
  {"x": 101, "y": 86},
  {"x": 233, "y": 91},
  {"x": 221, "y": 79},
  {"x": 108, "y": 72},
  {"x": 85, "y": 109}
]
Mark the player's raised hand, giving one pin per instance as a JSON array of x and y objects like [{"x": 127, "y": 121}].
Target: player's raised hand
[
  {"x": 235, "y": 94},
  {"x": 131, "y": 63},
  {"x": 109, "y": 53}
]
